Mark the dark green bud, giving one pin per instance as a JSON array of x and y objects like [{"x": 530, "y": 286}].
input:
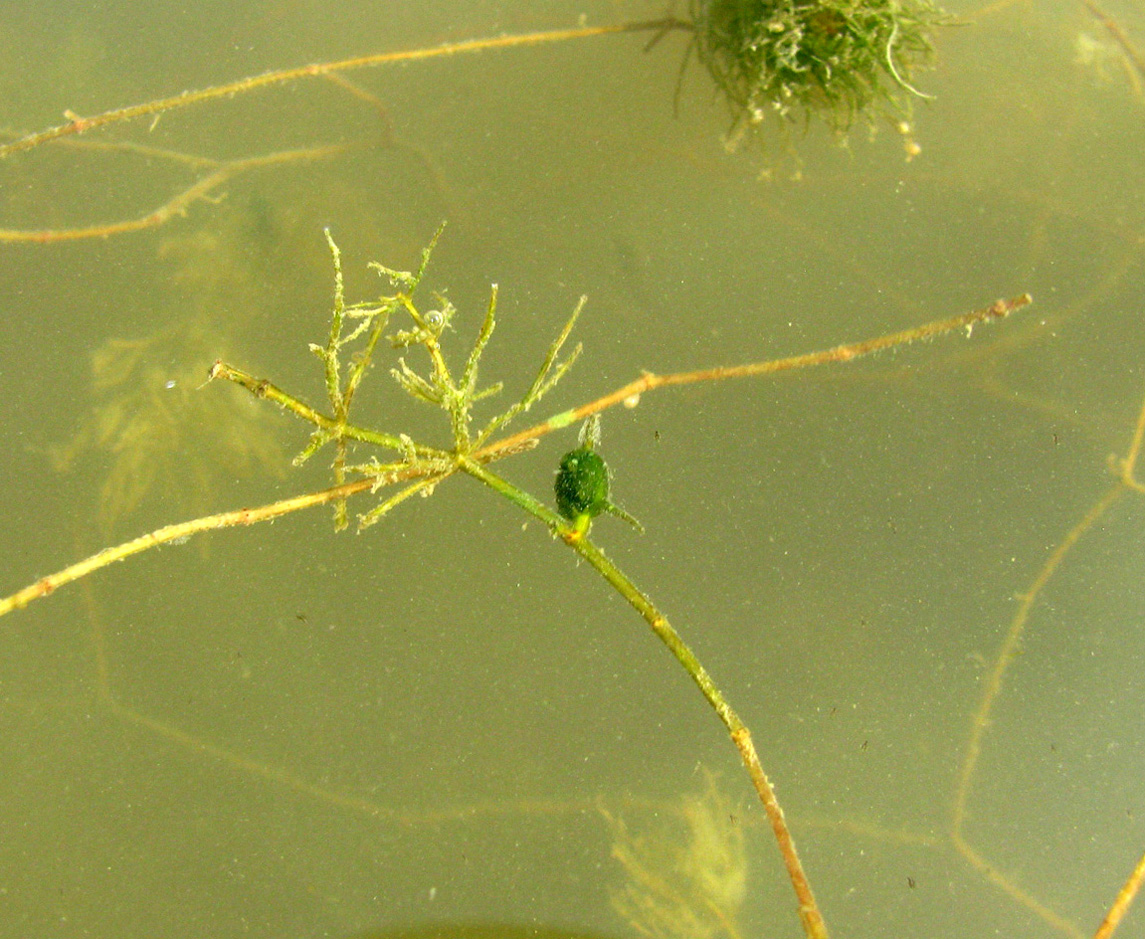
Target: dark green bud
[{"x": 582, "y": 484}]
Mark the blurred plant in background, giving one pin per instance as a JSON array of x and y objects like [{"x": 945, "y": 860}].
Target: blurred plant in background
[
  {"x": 158, "y": 436},
  {"x": 147, "y": 432},
  {"x": 686, "y": 874}
]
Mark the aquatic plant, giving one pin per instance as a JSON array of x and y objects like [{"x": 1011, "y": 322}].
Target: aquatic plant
[
  {"x": 347, "y": 356},
  {"x": 841, "y": 60},
  {"x": 838, "y": 59},
  {"x": 684, "y": 871},
  {"x": 153, "y": 435},
  {"x": 964, "y": 829}
]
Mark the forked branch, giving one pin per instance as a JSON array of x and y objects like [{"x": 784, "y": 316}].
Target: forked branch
[{"x": 419, "y": 461}]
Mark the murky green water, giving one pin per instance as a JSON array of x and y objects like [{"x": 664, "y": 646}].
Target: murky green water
[{"x": 283, "y": 731}]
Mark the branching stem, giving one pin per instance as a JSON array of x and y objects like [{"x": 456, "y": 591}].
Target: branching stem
[{"x": 497, "y": 450}]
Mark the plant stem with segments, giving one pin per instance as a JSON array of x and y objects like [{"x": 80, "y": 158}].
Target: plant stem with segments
[{"x": 813, "y": 925}]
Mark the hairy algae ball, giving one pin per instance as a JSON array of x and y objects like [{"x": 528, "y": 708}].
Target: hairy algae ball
[
  {"x": 582, "y": 484},
  {"x": 839, "y": 59}
]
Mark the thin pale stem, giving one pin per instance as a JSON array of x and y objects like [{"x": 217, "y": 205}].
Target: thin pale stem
[
  {"x": 1128, "y": 466},
  {"x": 175, "y": 533},
  {"x": 261, "y": 388},
  {"x": 630, "y": 394},
  {"x": 813, "y": 925},
  {"x": 330, "y": 357},
  {"x": 178, "y": 205},
  {"x": 1120, "y": 36},
  {"x": 544, "y": 380},
  {"x": 469, "y": 376},
  {"x": 1010, "y": 645},
  {"x": 992, "y": 690},
  {"x": 78, "y": 125}
]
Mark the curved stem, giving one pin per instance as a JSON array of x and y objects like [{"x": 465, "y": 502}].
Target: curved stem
[
  {"x": 813, "y": 925},
  {"x": 177, "y": 204},
  {"x": 1121, "y": 904}
]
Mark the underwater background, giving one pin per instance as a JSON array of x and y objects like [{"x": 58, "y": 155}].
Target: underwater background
[{"x": 287, "y": 731}]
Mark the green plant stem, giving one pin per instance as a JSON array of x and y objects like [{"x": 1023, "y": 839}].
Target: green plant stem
[
  {"x": 813, "y": 925},
  {"x": 261, "y": 388}
]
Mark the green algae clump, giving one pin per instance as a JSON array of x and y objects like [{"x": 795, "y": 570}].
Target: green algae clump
[
  {"x": 841, "y": 60},
  {"x": 582, "y": 484}
]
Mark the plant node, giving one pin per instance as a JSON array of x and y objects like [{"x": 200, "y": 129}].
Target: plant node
[{"x": 355, "y": 330}]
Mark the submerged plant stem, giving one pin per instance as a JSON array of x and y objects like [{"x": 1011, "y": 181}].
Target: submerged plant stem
[
  {"x": 507, "y": 446},
  {"x": 78, "y": 125},
  {"x": 175, "y": 206},
  {"x": 261, "y": 388},
  {"x": 650, "y": 381},
  {"x": 174, "y": 534},
  {"x": 813, "y": 925}
]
